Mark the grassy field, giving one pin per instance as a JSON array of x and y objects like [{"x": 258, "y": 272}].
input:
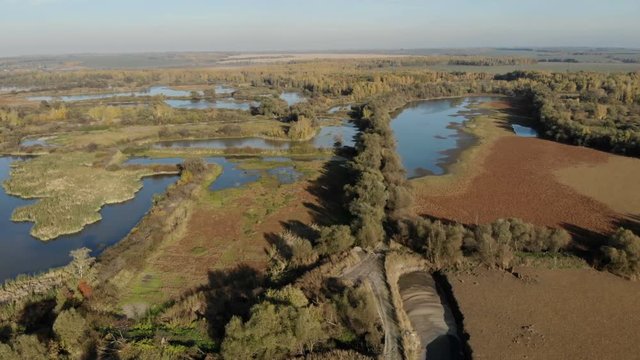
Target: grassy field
[
  {"x": 614, "y": 182},
  {"x": 70, "y": 190},
  {"x": 224, "y": 229},
  {"x": 131, "y": 135}
]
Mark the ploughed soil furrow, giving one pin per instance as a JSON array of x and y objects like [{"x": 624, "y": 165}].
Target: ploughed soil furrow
[
  {"x": 549, "y": 314},
  {"x": 517, "y": 179}
]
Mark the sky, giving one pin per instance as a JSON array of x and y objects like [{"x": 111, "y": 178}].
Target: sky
[{"x": 30, "y": 27}]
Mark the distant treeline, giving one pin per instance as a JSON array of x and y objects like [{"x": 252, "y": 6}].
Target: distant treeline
[
  {"x": 627, "y": 60},
  {"x": 561, "y": 60},
  {"x": 108, "y": 79},
  {"x": 491, "y": 61},
  {"x": 588, "y": 109}
]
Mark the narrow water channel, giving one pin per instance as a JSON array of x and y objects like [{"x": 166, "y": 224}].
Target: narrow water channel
[
  {"x": 226, "y": 103},
  {"x": 232, "y": 175},
  {"x": 152, "y": 91}
]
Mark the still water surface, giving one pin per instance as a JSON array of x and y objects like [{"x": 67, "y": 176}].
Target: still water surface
[
  {"x": 428, "y": 133},
  {"x": 22, "y": 253}
]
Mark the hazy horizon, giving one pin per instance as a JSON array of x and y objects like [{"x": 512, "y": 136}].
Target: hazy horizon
[{"x": 58, "y": 27}]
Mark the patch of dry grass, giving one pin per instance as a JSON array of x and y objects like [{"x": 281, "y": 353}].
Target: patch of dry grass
[{"x": 149, "y": 133}]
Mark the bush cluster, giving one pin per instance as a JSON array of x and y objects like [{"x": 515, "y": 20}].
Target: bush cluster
[
  {"x": 621, "y": 254},
  {"x": 495, "y": 244}
]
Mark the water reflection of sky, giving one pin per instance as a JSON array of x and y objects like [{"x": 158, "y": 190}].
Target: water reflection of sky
[{"x": 22, "y": 253}]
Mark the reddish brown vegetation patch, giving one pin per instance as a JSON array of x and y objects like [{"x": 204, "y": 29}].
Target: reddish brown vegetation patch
[
  {"x": 220, "y": 237},
  {"x": 85, "y": 289},
  {"x": 517, "y": 180}
]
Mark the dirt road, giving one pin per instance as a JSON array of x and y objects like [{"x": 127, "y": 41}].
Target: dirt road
[{"x": 370, "y": 269}]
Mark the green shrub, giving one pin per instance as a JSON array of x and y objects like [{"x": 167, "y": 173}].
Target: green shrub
[
  {"x": 72, "y": 330},
  {"x": 335, "y": 239},
  {"x": 275, "y": 330},
  {"x": 357, "y": 311},
  {"x": 497, "y": 243},
  {"x": 444, "y": 244},
  {"x": 24, "y": 347},
  {"x": 621, "y": 255}
]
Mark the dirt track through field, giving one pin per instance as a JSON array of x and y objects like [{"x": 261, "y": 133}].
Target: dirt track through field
[{"x": 371, "y": 269}]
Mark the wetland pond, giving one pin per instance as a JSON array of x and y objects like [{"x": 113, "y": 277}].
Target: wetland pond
[
  {"x": 152, "y": 91},
  {"x": 292, "y": 98},
  {"x": 429, "y": 133},
  {"x": 216, "y": 104},
  {"x": 41, "y": 141},
  {"x": 524, "y": 131},
  {"x": 21, "y": 253},
  {"x": 232, "y": 175},
  {"x": 227, "y": 103}
]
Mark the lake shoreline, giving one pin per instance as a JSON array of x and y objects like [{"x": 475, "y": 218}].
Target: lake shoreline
[
  {"x": 27, "y": 255},
  {"x": 418, "y": 122}
]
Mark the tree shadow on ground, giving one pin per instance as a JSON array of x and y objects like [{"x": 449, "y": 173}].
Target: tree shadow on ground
[
  {"x": 231, "y": 292},
  {"x": 280, "y": 244},
  {"x": 630, "y": 222},
  {"x": 328, "y": 189},
  {"x": 38, "y": 316},
  {"x": 300, "y": 229},
  {"x": 5, "y": 333},
  {"x": 586, "y": 243},
  {"x": 297, "y": 228}
]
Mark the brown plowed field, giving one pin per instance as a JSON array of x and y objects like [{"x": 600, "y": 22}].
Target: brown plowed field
[
  {"x": 540, "y": 181},
  {"x": 549, "y": 314}
]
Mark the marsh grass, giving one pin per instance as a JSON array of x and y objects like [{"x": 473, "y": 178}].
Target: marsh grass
[{"x": 70, "y": 191}]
